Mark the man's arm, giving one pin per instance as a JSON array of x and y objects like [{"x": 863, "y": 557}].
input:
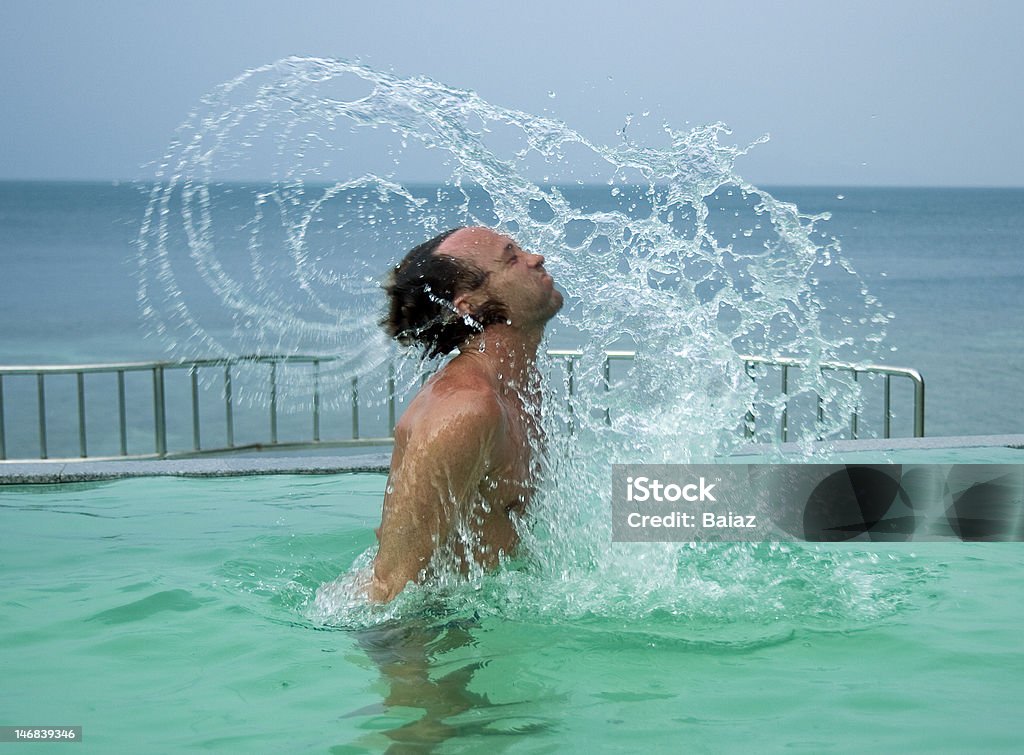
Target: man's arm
[{"x": 444, "y": 459}]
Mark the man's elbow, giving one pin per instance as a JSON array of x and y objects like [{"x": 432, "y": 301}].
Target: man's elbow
[
  {"x": 386, "y": 585},
  {"x": 381, "y": 591}
]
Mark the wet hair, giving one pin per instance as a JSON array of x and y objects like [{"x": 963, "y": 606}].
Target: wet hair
[{"x": 421, "y": 292}]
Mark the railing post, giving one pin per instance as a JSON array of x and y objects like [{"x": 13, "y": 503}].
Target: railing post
[
  {"x": 820, "y": 419},
  {"x": 41, "y": 403},
  {"x": 853, "y": 415},
  {"x": 80, "y": 380},
  {"x": 919, "y": 407},
  {"x": 122, "y": 416},
  {"x": 316, "y": 400},
  {"x": 570, "y": 377},
  {"x": 194, "y": 378},
  {"x": 159, "y": 411},
  {"x": 355, "y": 408},
  {"x": 229, "y": 415},
  {"x": 749, "y": 420},
  {"x": 887, "y": 399},
  {"x": 785, "y": 404},
  {"x": 273, "y": 402}
]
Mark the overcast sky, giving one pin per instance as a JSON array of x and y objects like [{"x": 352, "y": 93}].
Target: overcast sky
[{"x": 866, "y": 92}]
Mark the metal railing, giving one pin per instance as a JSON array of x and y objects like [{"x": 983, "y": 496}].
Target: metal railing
[
  {"x": 786, "y": 364},
  {"x": 571, "y": 356},
  {"x": 160, "y": 370}
]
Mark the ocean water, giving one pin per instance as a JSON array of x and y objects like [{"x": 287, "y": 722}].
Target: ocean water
[{"x": 947, "y": 263}]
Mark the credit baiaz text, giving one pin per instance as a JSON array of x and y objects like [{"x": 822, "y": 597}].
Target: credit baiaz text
[{"x": 642, "y": 489}]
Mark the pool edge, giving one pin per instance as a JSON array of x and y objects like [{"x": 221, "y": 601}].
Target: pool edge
[
  {"x": 50, "y": 472},
  {"x": 894, "y": 444}
]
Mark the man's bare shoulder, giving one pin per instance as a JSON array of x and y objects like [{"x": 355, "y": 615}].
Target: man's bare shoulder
[{"x": 455, "y": 401}]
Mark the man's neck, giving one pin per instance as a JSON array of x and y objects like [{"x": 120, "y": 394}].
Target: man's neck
[{"x": 509, "y": 354}]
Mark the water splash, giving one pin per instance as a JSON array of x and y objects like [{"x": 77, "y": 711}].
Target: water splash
[
  {"x": 659, "y": 246},
  {"x": 662, "y": 247}
]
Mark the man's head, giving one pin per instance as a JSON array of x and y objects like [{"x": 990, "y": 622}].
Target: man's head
[{"x": 462, "y": 281}]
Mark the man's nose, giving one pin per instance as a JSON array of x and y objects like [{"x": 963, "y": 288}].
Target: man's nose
[{"x": 537, "y": 261}]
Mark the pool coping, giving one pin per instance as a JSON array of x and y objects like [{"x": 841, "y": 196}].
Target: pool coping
[
  {"x": 894, "y": 444},
  {"x": 50, "y": 472},
  {"x": 63, "y": 471}
]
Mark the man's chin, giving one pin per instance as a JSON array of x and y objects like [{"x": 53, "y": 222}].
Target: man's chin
[{"x": 557, "y": 302}]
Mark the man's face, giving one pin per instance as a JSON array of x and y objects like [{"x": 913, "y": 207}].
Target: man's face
[{"x": 516, "y": 278}]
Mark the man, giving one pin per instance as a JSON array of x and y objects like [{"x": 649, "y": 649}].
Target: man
[{"x": 462, "y": 466}]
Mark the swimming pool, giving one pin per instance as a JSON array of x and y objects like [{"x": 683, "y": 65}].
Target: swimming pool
[{"x": 165, "y": 613}]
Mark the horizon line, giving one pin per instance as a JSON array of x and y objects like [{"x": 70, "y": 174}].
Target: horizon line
[{"x": 425, "y": 183}]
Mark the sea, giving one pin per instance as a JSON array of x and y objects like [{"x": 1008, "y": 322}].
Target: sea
[{"x": 947, "y": 263}]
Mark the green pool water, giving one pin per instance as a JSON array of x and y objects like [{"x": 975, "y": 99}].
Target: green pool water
[{"x": 164, "y": 614}]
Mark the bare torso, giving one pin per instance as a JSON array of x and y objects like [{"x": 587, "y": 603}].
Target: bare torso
[{"x": 461, "y": 472}]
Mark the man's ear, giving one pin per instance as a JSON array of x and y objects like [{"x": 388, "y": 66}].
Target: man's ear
[{"x": 466, "y": 303}]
